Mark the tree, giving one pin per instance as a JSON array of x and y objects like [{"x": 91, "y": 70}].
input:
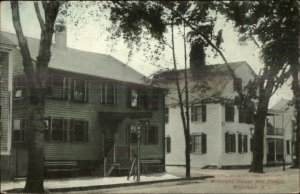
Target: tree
[
  {"x": 36, "y": 78},
  {"x": 273, "y": 26},
  {"x": 131, "y": 19}
]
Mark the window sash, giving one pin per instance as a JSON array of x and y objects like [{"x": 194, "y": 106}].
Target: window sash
[
  {"x": 19, "y": 130},
  {"x": 108, "y": 93},
  {"x": 229, "y": 142},
  {"x": 229, "y": 113},
  {"x": 58, "y": 130},
  {"x": 79, "y": 131},
  {"x": 198, "y": 113}
]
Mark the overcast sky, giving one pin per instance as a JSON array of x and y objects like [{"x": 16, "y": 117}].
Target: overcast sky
[{"x": 93, "y": 37}]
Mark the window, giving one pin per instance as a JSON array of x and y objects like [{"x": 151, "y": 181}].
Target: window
[
  {"x": 288, "y": 150},
  {"x": 80, "y": 90},
  {"x": 152, "y": 100},
  {"x": 133, "y": 98},
  {"x": 131, "y": 136},
  {"x": 152, "y": 135},
  {"x": 237, "y": 84},
  {"x": 229, "y": 113},
  {"x": 246, "y": 115},
  {"x": 47, "y": 129},
  {"x": 149, "y": 135},
  {"x": 79, "y": 131},
  {"x": 19, "y": 87},
  {"x": 242, "y": 143},
  {"x": 168, "y": 144},
  {"x": 57, "y": 87},
  {"x": 19, "y": 128},
  {"x": 108, "y": 93},
  {"x": 59, "y": 130},
  {"x": 166, "y": 115},
  {"x": 198, "y": 113},
  {"x": 198, "y": 143},
  {"x": 229, "y": 142}
]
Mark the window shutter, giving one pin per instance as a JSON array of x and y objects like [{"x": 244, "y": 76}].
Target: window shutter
[
  {"x": 241, "y": 113},
  {"x": 87, "y": 91},
  {"x": 246, "y": 143},
  {"x": 192, "y": 142},
  {"x": 240, "y": 143},
  {"x": 128, "y": 97},
  {"x": 23, "y": 129},
  {"x": 251, "y": 144},
  {"x": 72, "y": 89},
  {"x": 65, "y": 130},
  {"x": 168, "y": 144},
  {"x": 47, "y": 131},
  {"x": 204, "y": 113},
  {"x": 156, "y": 134},
  {"x": 71, "y": 129},
  {"x": 128, "y": 134},
  {"x": 203, "y": 141},
  {"x": 233, "y": 142},
  {"x": 86, "y": 131},
  {"x": 226, "y": 142},
  {"x": 192, "y": 113}
]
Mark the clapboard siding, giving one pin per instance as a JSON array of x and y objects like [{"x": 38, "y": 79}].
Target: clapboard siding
[
  {"x": 68, "y": 109},
  {"x": 5, "y": 101}
]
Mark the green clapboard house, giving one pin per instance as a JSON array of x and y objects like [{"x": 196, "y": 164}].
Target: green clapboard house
[{"x": 92, "y": 104}]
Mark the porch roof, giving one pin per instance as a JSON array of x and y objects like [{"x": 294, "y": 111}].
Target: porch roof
[{"x": 122, "y": 115}]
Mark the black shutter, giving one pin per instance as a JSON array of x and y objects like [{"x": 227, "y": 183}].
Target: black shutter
[
  {"x": 87, "y": 91},
  {"x": 245, "y": 143},
  {"x": 71, "y": 129},
  {"x": 233, "y": 143},
  {"x": 251, "y": 144},
  {"x": 72, "y": 89},
  {"x": 204, "y": 113},
  {"x": 128, "y": 97},
  {"x": 86, "y": 131},
  {"x": 241, "y": 113},
  {"x": 240, "y": 143},
  {"x": 193, "y": 113},
  {"x": 65, "y": 130},
  {"x": 226, "y": 142},
  {"x": 169, "y": 144},
  {"x": 192, "y": 142},
  {"x": 23, "y": 129},
  {"x": 203, "y": 141}
]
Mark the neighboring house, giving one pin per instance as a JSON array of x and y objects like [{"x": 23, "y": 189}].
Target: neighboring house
[
  {"x": 280, "y": 133},
  {"x": 220, "y": 132},
  {"x": 92, "y": 102}
]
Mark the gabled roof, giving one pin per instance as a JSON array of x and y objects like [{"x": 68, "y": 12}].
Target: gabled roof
[
  {"x": 205, "y": 85},
  {"x": 83, "y": 62},
  {"x": 282, "y": 104}
]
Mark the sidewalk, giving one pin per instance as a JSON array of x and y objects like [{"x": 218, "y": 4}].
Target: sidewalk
[{"x": 84, "y": 183}]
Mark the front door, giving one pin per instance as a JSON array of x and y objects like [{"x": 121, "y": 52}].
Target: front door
[{"x": 109, "y": 137}]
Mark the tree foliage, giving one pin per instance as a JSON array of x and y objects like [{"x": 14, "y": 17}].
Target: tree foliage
[{"x": 274, "y": 28}]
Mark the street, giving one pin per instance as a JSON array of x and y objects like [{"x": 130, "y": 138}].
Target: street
[{"x": 274, "y": 180}]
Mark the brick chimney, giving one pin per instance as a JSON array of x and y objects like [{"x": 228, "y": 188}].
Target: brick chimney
[{"x": 60, "y": 35}]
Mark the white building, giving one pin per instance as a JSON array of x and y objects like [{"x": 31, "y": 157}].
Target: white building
[
  {"x": 280, "y": 133},
  {"x": 221, "y": 132}
]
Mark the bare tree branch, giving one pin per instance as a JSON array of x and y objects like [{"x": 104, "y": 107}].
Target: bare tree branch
[{"x": 38, "y": 14}]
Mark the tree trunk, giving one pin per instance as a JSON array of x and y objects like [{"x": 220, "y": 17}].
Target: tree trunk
[
  {"x": 258, "y": 145},
  {"x": 181, "y": 106},
  {"x": 35, "y": 176},
  {"x": 265, "y": 93}
]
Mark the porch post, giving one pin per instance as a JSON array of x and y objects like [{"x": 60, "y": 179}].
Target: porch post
[{"x": 114, "y": 147}]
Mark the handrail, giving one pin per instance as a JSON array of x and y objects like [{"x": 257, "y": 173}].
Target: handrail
[{"x": 106, "y": 172}]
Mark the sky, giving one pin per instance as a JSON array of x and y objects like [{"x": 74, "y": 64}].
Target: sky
[{"x": 93, "y": 36}]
